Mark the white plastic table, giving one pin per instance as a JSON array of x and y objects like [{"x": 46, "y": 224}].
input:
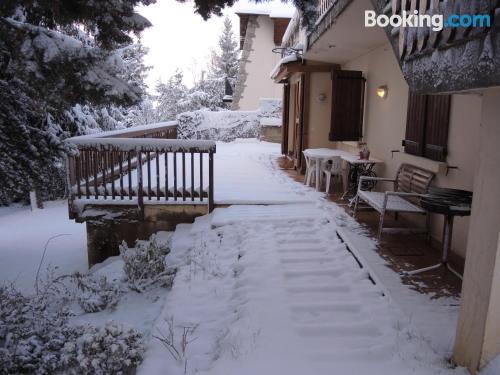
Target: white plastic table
[{"x": 322, "y": 155}]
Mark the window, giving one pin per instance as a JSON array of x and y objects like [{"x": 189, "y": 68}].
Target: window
[
  {"x": 348, "y": 91},
  {"x": 427, "y": 125}
]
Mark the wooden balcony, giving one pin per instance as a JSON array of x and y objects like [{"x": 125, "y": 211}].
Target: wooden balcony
[{"x": 140, "y": 166}]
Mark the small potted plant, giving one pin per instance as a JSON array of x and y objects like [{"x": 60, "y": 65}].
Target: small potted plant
[{"x": 364, "y": 153}]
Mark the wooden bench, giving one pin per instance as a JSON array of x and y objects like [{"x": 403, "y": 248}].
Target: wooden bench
[{"x": 411, "y": 184}]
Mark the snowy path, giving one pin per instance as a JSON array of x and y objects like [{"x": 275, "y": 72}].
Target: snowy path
[{"x": 273, "y": 292}]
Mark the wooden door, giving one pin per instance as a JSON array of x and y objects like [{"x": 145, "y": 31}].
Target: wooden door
[
  {"x": 285, "y": 119},
  {"x": 297, "y": 122}
]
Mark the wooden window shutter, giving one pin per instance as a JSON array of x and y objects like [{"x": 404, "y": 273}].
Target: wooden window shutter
[
  {"x": 415, "y": 124},
  {"x": 348, "y": 91},
  {"x": 436, "y": 127},
  {"x": 427, "y": 125}
]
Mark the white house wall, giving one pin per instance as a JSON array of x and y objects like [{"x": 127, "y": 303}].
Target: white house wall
[
  {"x": 385, "y": 127},
  {"x": 257, "y": 61}
]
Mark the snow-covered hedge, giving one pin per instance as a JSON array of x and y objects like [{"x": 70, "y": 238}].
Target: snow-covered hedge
[
  {"x": 226, "y": 126},
  {"x": 223, "y": 126}
]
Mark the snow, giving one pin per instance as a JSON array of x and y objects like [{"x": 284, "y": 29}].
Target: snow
[
  {"x": 291, "y": 27},
  {"x": 24, "y": 234},
  {"x": 284, "y": 60},
  {"x": 134, "y": 129},
  {"x": 273, "y": 8},
  {"x": 244, "y": 173},
  {"x": 272, "y": 290},
  {"x": 270, "y": 121},
  {"x": 493, "y": 368},
  {"x": 145, "y": 144}
]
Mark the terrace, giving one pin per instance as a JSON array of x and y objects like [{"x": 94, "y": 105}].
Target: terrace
[{"x": 146, "y": 174}]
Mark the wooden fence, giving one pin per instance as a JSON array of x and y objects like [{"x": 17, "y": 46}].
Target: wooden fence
[{"x": 141, "y": 166}]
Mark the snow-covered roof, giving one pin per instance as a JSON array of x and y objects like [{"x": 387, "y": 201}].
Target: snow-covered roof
[
  {"x": 284, "y": 60},
  {"x": 273, "y": 9}
]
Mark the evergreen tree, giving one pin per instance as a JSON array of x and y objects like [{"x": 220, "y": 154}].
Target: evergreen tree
[
  {"x": 53, "y": 56},
  {"x": 208, "y": 92},
  {"x": 171, "y": 98},
  {"x": 225, "y": 62}
]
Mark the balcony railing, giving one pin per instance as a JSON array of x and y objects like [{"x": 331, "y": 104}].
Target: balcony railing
[
  {"x": 324, "y": 6},
  {"x": 138, "y": 166}
]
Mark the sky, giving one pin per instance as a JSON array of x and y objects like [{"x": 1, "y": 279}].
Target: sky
[{"x": 179, "y": 38}]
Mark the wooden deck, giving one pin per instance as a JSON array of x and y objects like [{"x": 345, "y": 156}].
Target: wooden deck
[{"x": 403, "y": 252}]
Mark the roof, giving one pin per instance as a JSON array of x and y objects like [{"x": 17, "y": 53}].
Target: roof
[{"x": 273, "y": 9}]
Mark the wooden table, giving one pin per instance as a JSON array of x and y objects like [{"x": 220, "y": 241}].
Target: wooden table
[{"x": 357, "y": 165}]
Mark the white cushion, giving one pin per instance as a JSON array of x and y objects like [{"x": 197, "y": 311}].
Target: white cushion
[{"x": 394, "y": 203}]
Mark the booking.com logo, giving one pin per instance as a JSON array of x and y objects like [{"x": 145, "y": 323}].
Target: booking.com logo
[{"x": 436, "y": 21}]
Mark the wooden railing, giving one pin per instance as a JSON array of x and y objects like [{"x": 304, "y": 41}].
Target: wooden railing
[{"x": 125, "y": 168}]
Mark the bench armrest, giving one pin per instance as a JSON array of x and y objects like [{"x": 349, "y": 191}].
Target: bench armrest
[{"x": 368, "y": 178}]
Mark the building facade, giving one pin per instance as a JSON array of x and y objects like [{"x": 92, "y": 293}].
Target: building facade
[
  {"x": 261, "y": 30},
  {"x": 440, "y": 112}
]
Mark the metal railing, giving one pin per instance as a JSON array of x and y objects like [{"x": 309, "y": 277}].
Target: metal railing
[
  {"x": 140, "y": 166},
  {"x": 324, "y": 6}
]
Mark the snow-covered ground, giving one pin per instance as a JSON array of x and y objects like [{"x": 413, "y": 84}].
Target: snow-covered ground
[
  {"x": 269, "y": 289},
  {"x": 272, "y": 290},
  {"x": 24, "y": 234},
  {"x": 244, "y": 173}
]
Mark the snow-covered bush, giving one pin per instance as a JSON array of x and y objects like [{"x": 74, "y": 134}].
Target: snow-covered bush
[
  {"x": 36, "y": 338},
  {"x": 33, "y": 331},
  {"x": 145, "y": 264},
  {"x": 95, "y": 293},
  {"x": 226, "y": 126},
  {"x": 223, "y": 126},
  {"x": 270, "y": 107},
  {"x": 111, "y": 349}
]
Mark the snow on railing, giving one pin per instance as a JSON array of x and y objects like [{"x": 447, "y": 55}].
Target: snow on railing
[{"x": 138, "y": 167}]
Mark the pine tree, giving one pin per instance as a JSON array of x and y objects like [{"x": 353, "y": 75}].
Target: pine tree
[
  {"x": 208, "y": 92},
  {"x": 53, "y": 56},
  {"x": 226, "y": 60},
  {"x": 171, "y": 97}
]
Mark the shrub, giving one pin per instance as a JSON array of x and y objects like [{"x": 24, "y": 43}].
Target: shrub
[
  {"x": 107, "y": 350},
  {"x": 95, "y": 293},
  {"x": 36, "y": 338},
  {"x": 145, "y": 264},
  {"x": 32, "y": 333}
]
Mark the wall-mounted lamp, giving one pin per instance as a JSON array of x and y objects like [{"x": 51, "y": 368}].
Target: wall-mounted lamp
[
  {"x": 322, "y": 97},
  {"x": 382, "y": 92}
]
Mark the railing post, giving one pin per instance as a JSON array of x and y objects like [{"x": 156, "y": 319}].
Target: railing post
[
  {"x": 140, "y": 196},
  {"x": 210, "y": 181},
  {"x": 70, "y": 173}
]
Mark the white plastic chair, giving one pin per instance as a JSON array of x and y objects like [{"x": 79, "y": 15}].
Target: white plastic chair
[
  {"x": 310, "y": 169},
  {"x": 333, "y": 167}
]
